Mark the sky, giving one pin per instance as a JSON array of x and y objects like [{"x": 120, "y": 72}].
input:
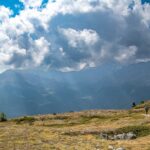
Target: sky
[{"x": 72, "y": 35}]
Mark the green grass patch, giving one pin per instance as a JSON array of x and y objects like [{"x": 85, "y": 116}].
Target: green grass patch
[
  {"x": 61, "y": 117},
  {"x": 81, "y": 120},
  {"x": 25, "y": 119},
  {"x": 86, "y": 119}
]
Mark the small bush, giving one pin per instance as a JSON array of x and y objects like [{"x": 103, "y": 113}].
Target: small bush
[
  {"x": 142, "y": 102},
  {"x": 3, "y": 117},
  {"x": 25, "y": 119},
  {"x": 71, "y": 111},
  {"x": 60, "y": 117}
]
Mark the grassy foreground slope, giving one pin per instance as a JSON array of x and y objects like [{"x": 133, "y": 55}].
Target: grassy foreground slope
[{"x": 76, "y": 130}]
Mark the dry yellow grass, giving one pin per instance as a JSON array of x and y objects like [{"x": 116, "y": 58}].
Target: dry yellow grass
[{"x": 73, "y": 131}]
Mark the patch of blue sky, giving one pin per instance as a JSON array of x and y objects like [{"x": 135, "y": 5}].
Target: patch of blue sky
[
  {"x": 145, "y": 1},
  {"x": 45, "y": 2},
  {"x": 14, "y": 5}
]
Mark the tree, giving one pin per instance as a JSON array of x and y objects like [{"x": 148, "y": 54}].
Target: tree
[{"x": 3, "y": 117}]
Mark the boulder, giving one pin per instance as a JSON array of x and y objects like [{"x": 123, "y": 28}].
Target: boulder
[
  {"x": 120, "y": 136},
  {"x": 110, "y": 147},
  {"x": 130, "y": 136},
  {"x": 120, "y": 148}
]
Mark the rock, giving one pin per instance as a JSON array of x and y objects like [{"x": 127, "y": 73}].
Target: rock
[
  {"x": 130, "y": 136},
  {"x": 104, "y": 136},
  {"x": 97, "y": 147},
  {"x": 123, "y": 136},
  {"x": 110, "y": 147},
  {"x": 111, "y": 138},
  {"x": 120, "y": 136},
  {"x": 120, "y": 148}
]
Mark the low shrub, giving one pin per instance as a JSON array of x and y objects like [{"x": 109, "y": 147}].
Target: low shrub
[
  {"x": 25, "y": 119},
  {"x": 142, "y": 102},
  {"x": 3, "y": 117}
]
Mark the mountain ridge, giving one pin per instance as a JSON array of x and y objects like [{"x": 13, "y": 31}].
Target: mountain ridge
[{"x": 34, "y": 92}]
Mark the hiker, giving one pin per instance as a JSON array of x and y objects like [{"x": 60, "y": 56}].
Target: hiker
[
  {"x": 146, "y": 109},
  {"x": 133, "y": 104}
]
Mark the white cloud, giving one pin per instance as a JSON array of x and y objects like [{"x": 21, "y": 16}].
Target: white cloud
[
  {"x": 76, "y": 38},
  {"x": 91, "y": 32},
  {"x": 73, "y": 6},
  {"x": 40, "y": 49},
  {"x": 31, "y": 3},
  {"x": 144, "y": 60},
  {"x": 78, "y": 67},
  {"x": 4, "y": 13},
  {"x": 125, "y": 54}
]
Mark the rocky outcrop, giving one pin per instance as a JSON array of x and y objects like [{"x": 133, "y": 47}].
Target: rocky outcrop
[{"x": 123, "y": 136}]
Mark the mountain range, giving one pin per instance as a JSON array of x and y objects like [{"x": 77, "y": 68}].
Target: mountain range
[{"x": 28, "y": 92}]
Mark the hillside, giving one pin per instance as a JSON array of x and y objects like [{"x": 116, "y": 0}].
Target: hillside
[{"x": 77, "y": 130}]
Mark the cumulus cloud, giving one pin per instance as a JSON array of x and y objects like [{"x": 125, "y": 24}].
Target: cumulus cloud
[
  {"x": 86, "y": 37},
  {"x": 4, "y": 13},
  {"x": 31, "y": 3},
  {"x": 70, "y": 35},
  {"x": 40, "y": 50}
]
